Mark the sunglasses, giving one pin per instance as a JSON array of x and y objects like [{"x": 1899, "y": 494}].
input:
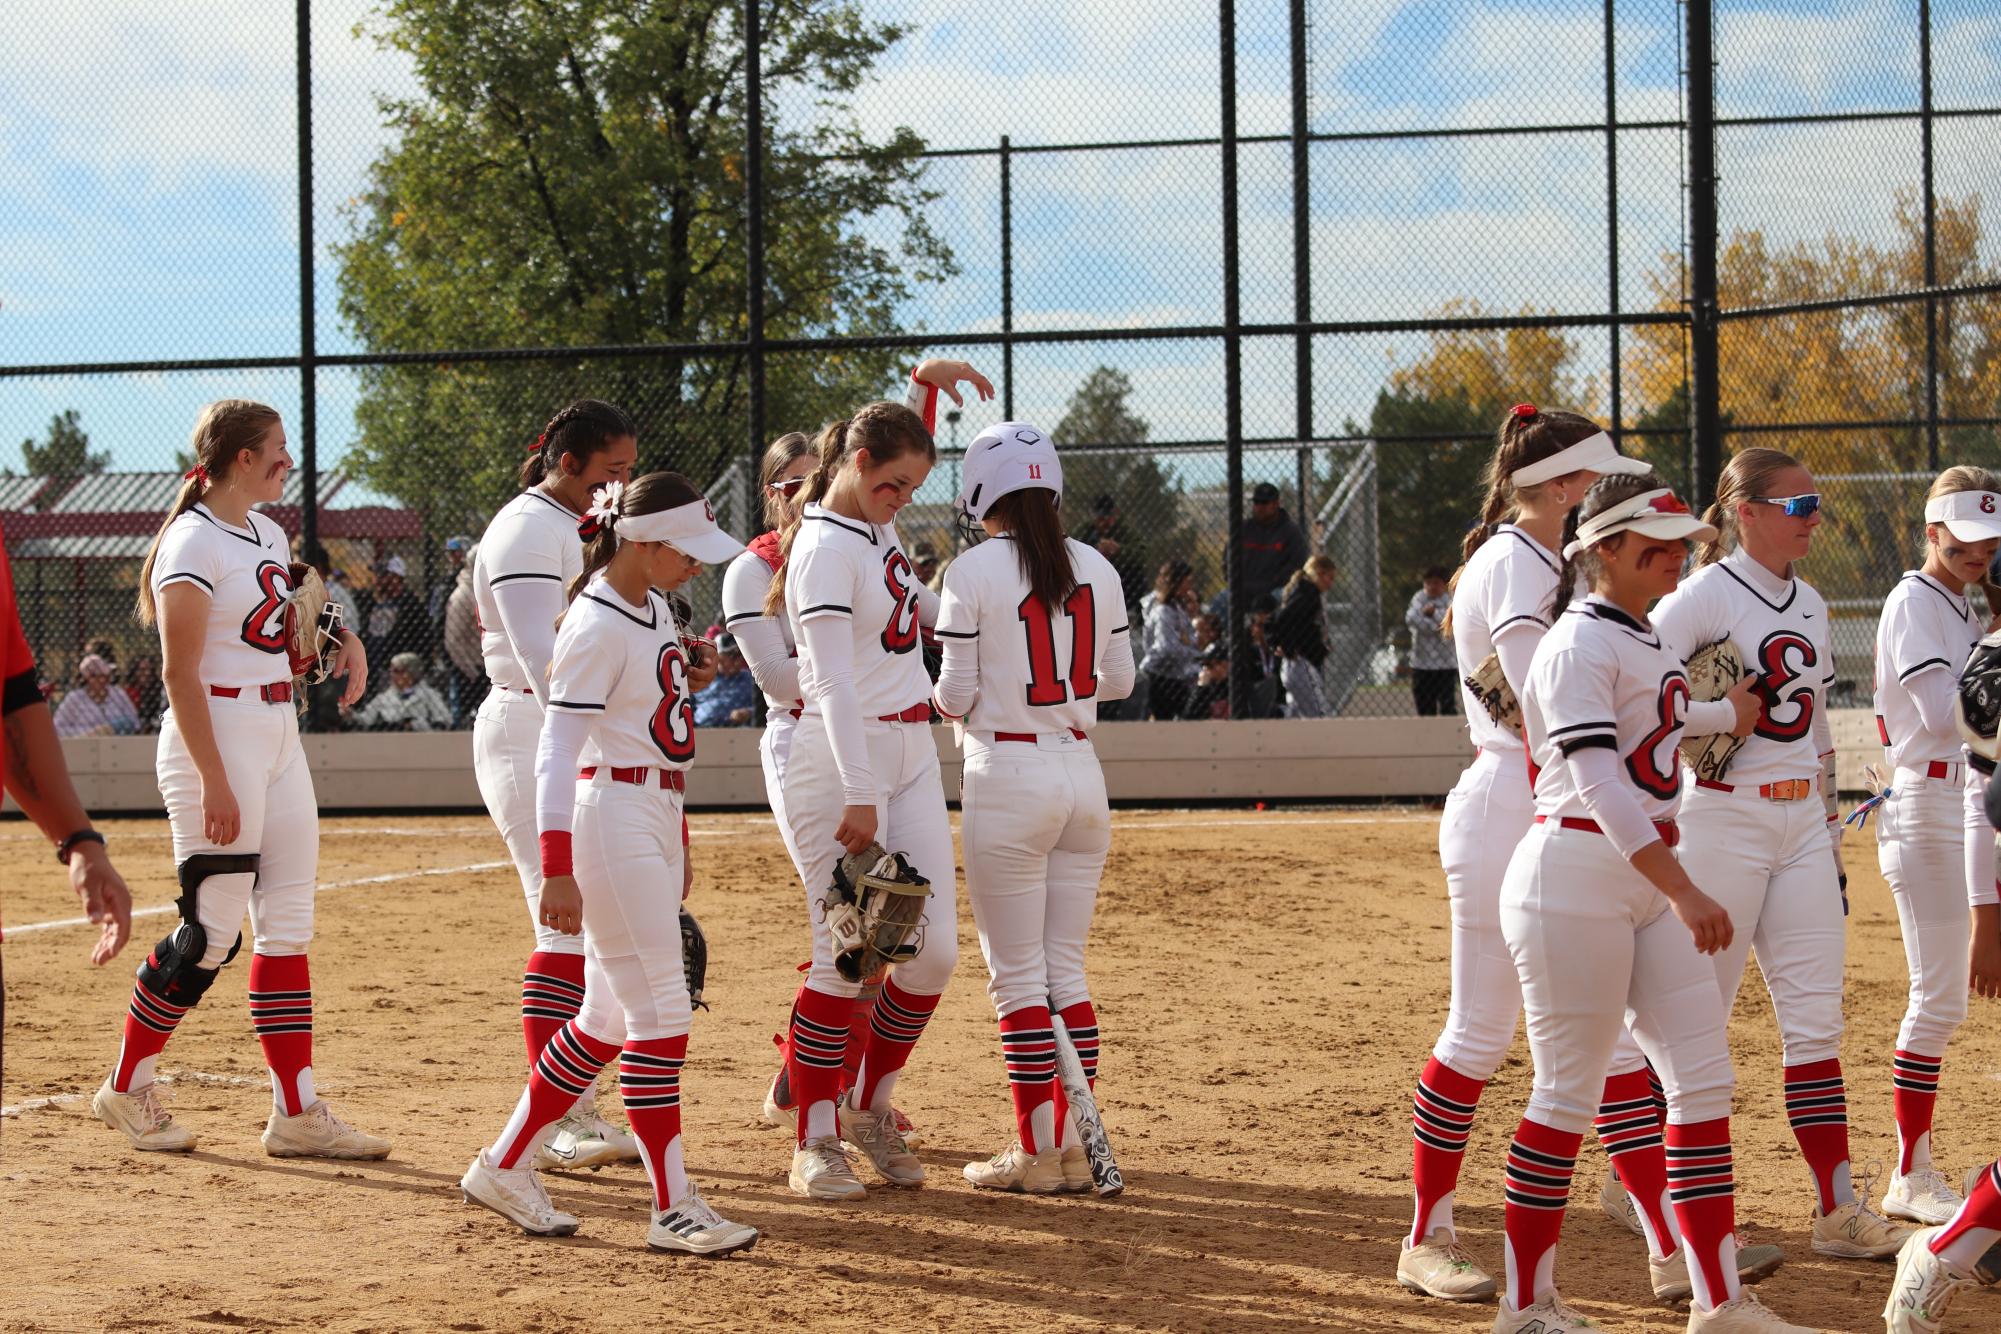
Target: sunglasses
[
  {"x": 1796, "y": 507},
  {"x": 789, "y": 487}
]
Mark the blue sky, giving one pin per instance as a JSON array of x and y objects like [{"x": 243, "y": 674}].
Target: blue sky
[{"x": 147, "y": 201}]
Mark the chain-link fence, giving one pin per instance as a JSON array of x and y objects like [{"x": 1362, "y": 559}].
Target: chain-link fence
[{"x": 1314, "y": 247}]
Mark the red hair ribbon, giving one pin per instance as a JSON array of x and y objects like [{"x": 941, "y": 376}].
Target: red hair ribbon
[
  {"x": 590, "y": 527},
  {"x": 540, "y": 440},
  {"x": 196, "y": 474},
  {"x": 1523, "y": 410}
]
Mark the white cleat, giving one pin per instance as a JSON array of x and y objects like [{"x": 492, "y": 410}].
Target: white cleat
[
  {"x": 1619, "y": 1206},
  {"x": 876, "y": 1135},
  {"x": 1923, "y": 1290},
  {"x": 516, "y": 1194},
  {"x": 821, "y": 1171},
  {"x": 1016, "y": 1169},
  {"x": 1746, "y": 1313},
  {"x": 1672, "y": 1286},
  {"x": 1544, "y": 1317},
  {"x": 142, "y": 1117},
  {"x": 692, "y": 1227},
  {"x": 1921, "y": 1195},
  {"x": 1854, "y": 1231},
  {"x": 1439, "y": 1267},
  {"x": 774, "y": 1113},
  {"x": 584, "y": 1140},
  {"x": 318, "y": 1133},
  {"x": 1076, "y": 1169}
]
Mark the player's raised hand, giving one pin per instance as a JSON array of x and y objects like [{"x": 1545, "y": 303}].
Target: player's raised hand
[
  {"x": 857, "y": 829},
  {"x": 1745, "y": 701},
  {"x": 561, "y": 904},
  {"x": 945, "y": 375},
  {"x": 106, "y": 900},
  {"x": 352, "y": 663},
  {"x": 221, "y": 820}
]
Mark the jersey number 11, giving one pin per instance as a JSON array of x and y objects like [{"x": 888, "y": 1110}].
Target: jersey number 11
[{"x": 1045, "y": 688}]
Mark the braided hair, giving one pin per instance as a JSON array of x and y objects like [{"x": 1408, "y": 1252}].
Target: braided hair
[
  {"x": 1603, "y": 495},
  {"x": 584, "y": 428}
]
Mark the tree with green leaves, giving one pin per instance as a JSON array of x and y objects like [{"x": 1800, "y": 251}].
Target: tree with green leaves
[
  {"x": 64, "y": 451},
  {"x": 1146, "y": 492},
  {"x": 571, "y": 174}
]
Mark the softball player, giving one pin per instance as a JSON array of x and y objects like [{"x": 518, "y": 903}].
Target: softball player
[
  {"x": 1602, "y": 921},
  {"x": 1034, "y": 633},
  {"x": 528, "y": 555},
  {"x": 863, "y": 768},
  {"x": 1932, "y": 838},
  {"x": 238, "y": 793},
  {"x": 1765, "y": 842},
  {"x": 619, "y": 706}
]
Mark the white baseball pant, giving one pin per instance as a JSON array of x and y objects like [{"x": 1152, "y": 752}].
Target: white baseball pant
[
  {"x": 1037, "y": 829},
  {"x": 774, "y": 749},
  {"x": 627, "y": 854},
  {"x": 1979, "y": 840},
  {"x": 1594, "y": 942},
  {"x": 505, "y": 733},
  {"x": 910, "y": 818},
  {"x": 267, "y": 773},
  {"x": 1921, "y": 847}
]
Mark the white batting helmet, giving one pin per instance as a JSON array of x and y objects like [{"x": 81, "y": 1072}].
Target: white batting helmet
[{"x": 1012, "y": 456}]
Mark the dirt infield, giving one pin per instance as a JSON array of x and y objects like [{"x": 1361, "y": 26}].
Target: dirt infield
[{"x": 1268, "y": 985}]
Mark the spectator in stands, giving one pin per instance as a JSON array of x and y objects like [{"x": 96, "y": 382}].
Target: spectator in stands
[
  {"x": 409, "y": 704},
  {"x": 1434, "y": 674},
  {"x": 1301, "y": 631},
  {"x": 1263, "y": 658},
  {"x": 1210, "y": 699},
  {"x": 146, "y": 691},
  {"x": 463, "y": 657},
  {"x": 1271, "y": 544},
  {"x": 731, "y": 699},
  {"x": 98, "y": 708},
  {"x": 106, "y": 650},
  {"x": 1170, "y": 661},
  {"x": 441, "y": 591},
  {"x": 1205, "y": 631},
  {"x": 390, "y": 619},
  {"x": 1106, "y": 533}
]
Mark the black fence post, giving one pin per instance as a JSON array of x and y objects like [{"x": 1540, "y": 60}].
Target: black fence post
[
  {"x": 1007, "y": 278},
  {"x": 1705, "y": 381},
  {"x": 1931, "y": 233},
  {"x": 1233, "y": 370},
  {"x": 1302, "y": 282},
  {"x": 1617, "y": 410},
  {"x": 309, "y": 398},
  {"x": 753, "y": 189}
]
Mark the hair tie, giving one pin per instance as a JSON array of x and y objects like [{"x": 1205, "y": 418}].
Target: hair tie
[
  {"x": 540, "y": 441},
  {"x": 589, "y": 527},
  {"x": 602, "y": 516},
  {"x": 196, "y": 474},
  {"x": 1523, "y": 411}
]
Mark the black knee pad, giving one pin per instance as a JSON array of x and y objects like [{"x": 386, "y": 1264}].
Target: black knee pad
[{"x": 173, "y": 971}]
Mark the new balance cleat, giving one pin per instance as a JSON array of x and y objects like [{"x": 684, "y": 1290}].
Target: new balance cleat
[
  {"x": 1550, "y": 1316},
  {"x": 1439, "y": 1267},
  {"x": 821, "y": 1171},
  {"x": 1923, "y": 1291},
  {"x": 876, "y": 1135},
  {"x": 1743, "y": 1314},
  {"x": 1856, "y": 1232}
]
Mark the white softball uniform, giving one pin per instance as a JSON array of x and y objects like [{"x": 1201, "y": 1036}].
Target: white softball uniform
[
  {"x": 1923, "y": 638},
  {"x": 855, "y": 607},
  {"x": 1501, "y": 606},
  {"x": 1591, "y": 937},
  {"x": 773, "y": 656},
  {"x": 614, "y": 750},
  {"x": 521, "y": 571},
  {"x": 1026, "y": 680},
  {"x": 245, "y": 572},
  {"x": 1768, "y": 856}
]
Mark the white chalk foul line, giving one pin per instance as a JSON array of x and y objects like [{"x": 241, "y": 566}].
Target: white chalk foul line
[
  {"x": 163, "y": 908},
  {"x": 178, "y": 1077}
]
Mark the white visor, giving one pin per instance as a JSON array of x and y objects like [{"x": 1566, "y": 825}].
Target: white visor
[
  {"x": 1970, "y": 516},
  {"x": 690, "y": 529},
  {"x": 1596, "y": 453},
  {"x": 1650, "y": 514}
]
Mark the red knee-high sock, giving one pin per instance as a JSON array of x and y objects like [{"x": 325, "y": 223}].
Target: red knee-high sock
[
  {"x": 552, "y": 991},
  {"x": 149, "y": 1022},
  {"x": 1703, "y": 1186},
  {"x": 899, "y": 1021},
  {"x": 858, "y": 1028},
  {"x": 1028, "y": 1045},
  {"x": 281, "y": 1008},
  {"x": 565, "y": 1070},
  {"x": 1630, "y": 1130},
  {"x": 1540, "y": 1163},
  {"x": 1914, "y": 1080},
  {"x": 1975, "y": 1228},
  {"x": 813, "y": 1066},
  {"x": 1441, "y": 1121},
  {"x": 649, "y": 1076},
  {"x": 1817, "y": 1105}
]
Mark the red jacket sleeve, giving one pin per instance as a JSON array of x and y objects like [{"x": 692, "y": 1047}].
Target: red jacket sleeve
[{"x": 15, "y": 656}]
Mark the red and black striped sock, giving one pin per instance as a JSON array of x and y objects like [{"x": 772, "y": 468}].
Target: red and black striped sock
[
  {"x": 649, "y": 1077},
  {"x": 1914, "y": 1083},
  {"x": 149, "y": 1022},
  {"x": 1975, "y": 1228},
  {"x": 1703, "y": 1186},
  {"x": 1817, "y": 1106},
  {"x": 1630, "y": 1130},
  {"x": 859, "y": 1020},
  {"x": 813, "y": 1064},
  {"x": 281, "y": 1009},
  {"x": 563, "y": 1073},
  {"x": 552, "y": 992},
  {"x": 1028, "y": 1045},
  {"x": 900, "y": 1017},
  {"x": 1441, "y": 1121},
  {"x": 1541, "y": 1162}
]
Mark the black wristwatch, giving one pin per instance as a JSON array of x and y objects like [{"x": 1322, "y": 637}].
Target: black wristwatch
[{"x": 68, "y": 845}]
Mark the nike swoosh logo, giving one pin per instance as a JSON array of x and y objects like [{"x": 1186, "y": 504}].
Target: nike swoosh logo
[{"x": 1806, "y": 616}]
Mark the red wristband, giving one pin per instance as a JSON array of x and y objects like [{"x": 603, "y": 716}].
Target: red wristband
[{"x": 555, "y": 853}]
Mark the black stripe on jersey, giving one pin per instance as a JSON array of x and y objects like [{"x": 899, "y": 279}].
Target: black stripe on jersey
[
  {"x": 652, "y": 621},
  {"x": 504, "y": 578},
  {"x": 827, "y": 606},
  {"x": 1917, "y": 667},
  {"x": 1556, "y": 732},
  {"x": 957, "y": 634},
  {"x": 191, "y": 578},
  {"x": 1571, "y": 745},
  {"x": 1122, "y": 629},
  {"x": 1792, "y": 590},
  {"x": 1512, "y": 620},
  {"x": 869, "y": 533},
  {"x": 743, "y": 616},
  {"x": 251, "y": 537},
  {"x": 1614, "y": 616},
  {"x": 1534, "y": 550},
  {"x": 537, "y": 493},
  {"x": 1961, "y": 607},
  {"x": 566, "y": 704}
]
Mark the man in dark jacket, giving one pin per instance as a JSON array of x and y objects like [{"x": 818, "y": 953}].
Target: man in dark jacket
[
  {"x": 1272, "y": 545},
  {"x": 390, "y": 618},
  {"x": 1106, "y": 534}
]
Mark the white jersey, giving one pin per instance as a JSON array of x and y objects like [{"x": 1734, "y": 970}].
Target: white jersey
[
  {"x": 1506, "y": 587},
  {"x": 1779, "y": 628},
  {"x": 1038, "y": 671},
  {"x": 626, "y": 667},
  {"x": 745, "y": 583},
  {"x": 1601, "y": 678},
  {"x": 1924, "y": 627},
  {"x": 532, "y": 539},
  {"x": 857, "y": 571},
  {"x": 246, "y": 573}
]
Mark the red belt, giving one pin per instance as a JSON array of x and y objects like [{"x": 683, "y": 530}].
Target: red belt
[
  {"x": 916, "y": 713},
  {"x": 1786, "y": 789},
  {"x": 1031, "y": 737},
  {"x": 1669, "y": 831},
  {"x": 519, "y": 690},
  {"x": 674, "y": 780},
  {"x": 278, "y": 692}
]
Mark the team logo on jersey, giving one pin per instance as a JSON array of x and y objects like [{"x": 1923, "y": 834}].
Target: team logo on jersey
[
  {"x": 264, "y": 627},
  {"x": 1667, "y": 504},
  {"x": 1785, "y": 711}
]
